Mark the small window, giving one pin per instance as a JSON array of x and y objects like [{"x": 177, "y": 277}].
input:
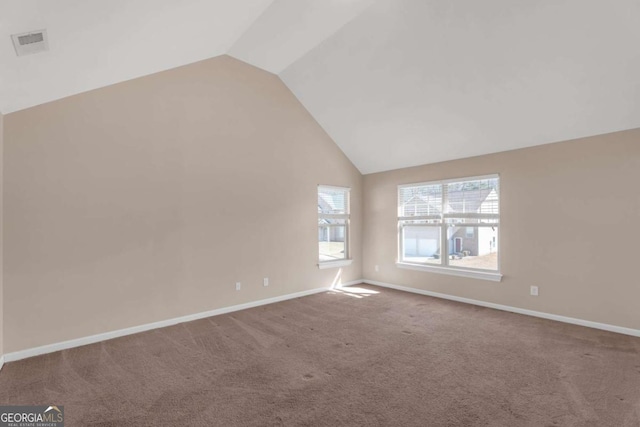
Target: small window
[
  {"x": 469, "y": 232},
  {"x": 450, "y": 225},
  {"x": 333, "y": 226}
]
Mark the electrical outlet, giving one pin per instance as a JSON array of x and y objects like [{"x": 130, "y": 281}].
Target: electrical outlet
[
  {"x": 265, "y": 281},
  {"x": 534, "y": 291},
  {"x": 238, "y": 285},
  {"x": 377, "y": 268}
]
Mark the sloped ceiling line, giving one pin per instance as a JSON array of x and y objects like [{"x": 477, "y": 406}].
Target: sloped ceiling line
[{"x": 395, "y": 83}]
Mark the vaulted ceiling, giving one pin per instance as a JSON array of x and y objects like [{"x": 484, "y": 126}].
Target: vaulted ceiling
[{"x": 395, "y": 83}]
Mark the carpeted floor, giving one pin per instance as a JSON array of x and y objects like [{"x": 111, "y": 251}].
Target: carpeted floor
[{"x": 365, "y": 356}]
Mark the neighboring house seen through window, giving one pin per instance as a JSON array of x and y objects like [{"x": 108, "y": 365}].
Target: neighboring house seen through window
[
  {"x": 333, "y": 226},
  {"x": 450, "y": 226}
]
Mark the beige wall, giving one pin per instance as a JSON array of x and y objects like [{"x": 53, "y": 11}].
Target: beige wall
[
  {"x": 149, "y": 199},
  {"x": 569, "y": 224}
]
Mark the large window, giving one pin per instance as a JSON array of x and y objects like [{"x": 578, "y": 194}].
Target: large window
[
  {"x": 333, "y": 226},
  {"x": 450, "y": 226}
]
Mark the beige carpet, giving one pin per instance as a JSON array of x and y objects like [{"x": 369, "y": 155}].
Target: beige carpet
[{"x": 373, "y": 357}]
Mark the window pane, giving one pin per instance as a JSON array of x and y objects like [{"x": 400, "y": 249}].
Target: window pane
[
  {"x": 332, "y": 200},
  {"x": 477, "y": 196},
  {"x": 332, "y": 239},
  {"x": 420, "y": 200},
  {"x": 473, "y": 250},
  {"x": 333, "y": 223},
  {"x": 421, "y": 244}
]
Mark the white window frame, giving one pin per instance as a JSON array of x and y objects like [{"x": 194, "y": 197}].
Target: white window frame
[
  {"x": 445, "y": 268},
  {"x": 347, "y": 235}
]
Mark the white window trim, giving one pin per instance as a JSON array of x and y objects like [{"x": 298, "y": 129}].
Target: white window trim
[
  {"x": 334, "y": 187},
  {"x": 334, "y": 264},
  {"x": 347, "y": 217},
  {"x": 453, "y": 271},
  {"x": 449, "y": 181},
  {"x": 492, "y": 275}
]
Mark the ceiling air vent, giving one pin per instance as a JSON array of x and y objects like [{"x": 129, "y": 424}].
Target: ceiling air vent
[{"x": 31, "y": 42}]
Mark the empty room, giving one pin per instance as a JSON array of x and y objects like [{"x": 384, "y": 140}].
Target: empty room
[{"x": 320, "y": 213}]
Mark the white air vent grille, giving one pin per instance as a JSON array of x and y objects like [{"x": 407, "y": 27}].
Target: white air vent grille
[
  {"x": 30, "y": 38},
  {"x": 31, "y": 42}
]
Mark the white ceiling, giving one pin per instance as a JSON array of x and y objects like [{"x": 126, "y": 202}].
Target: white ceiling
[
  {"x": 290, "y": 28},
  {"x": 95, "y": 43},
  {"x": 412, "y": 82},
  {"x": 395, "y": 83}
]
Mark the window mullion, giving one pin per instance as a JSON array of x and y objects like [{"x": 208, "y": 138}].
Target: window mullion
[
  {"x": 400, "y": 241},
  {"x": 347, "y": 239},
  {"x": 333, "y": 216},
  {"x": 443, "y": 228}
]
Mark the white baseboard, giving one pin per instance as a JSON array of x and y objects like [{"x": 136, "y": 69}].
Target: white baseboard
[
  {"x": 564, "y": 319},
  {"x": 23, "y": 354},
  {"x": 1, "y": 362}
]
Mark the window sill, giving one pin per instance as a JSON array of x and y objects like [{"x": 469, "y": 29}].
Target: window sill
[
  {"x": 334, "y": 264},
  {"x": 483, "y": 275}
]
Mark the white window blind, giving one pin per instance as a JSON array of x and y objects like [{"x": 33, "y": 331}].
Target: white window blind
[
  {"x": 473, "y": 198},
  {"x": 333, "y": 200},
  {"x": 423, "y": 201}
]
